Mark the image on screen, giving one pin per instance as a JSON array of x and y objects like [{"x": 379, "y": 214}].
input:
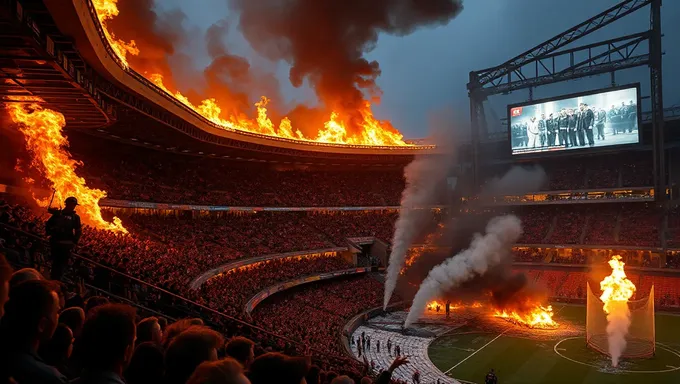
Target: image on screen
[{"x": 597, "y": 120}]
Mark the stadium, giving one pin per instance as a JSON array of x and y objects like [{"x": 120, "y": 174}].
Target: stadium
[{"x": 321, "y": 240}]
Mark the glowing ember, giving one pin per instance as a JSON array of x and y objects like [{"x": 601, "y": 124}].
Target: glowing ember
[
  {"x": 373, "y": 132},
  {"x": 44, "y": 140},
  {"x": 539, "y": 317}
]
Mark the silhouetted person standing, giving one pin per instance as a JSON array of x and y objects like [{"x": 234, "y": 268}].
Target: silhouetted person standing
[{"x": 64, "y": 230}]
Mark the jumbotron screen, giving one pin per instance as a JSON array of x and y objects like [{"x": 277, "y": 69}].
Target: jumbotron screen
[{"x": 602, "y": 118}]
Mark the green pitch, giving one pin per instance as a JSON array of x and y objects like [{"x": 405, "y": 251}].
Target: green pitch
[{"x": 467, "y": 354}]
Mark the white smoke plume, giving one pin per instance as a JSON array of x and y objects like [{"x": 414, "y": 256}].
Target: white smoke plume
[
  {"x": 485, "y": 251},
  {"x": 517, "y": 180},
  {"x": 618, "y": 323},
  {"x": 424, "y": 176}
]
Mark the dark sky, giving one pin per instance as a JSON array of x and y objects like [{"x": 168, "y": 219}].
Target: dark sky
[{"x": 424, "y": 74}]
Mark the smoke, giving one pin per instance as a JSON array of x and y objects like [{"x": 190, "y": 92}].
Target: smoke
[
  {"x": 485, "y": 251},
  {"x": 618, "y": 323},
  {"x": 325, "y": 40},
  {"x": 425, "y": 178},
  {"x": 518, "y": 180}
]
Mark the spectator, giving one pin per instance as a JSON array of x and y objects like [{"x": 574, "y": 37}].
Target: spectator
[
  {"x": 94, "y": 302},
  {"x": 278, "y": 368},
  {"x": 108, "y": 340},
  {"x": 24, "y": 274},
  {"x": 149, "y": 330},
  {"x": 175, "y": 329},
  {"x": 342, "y": 380},
  {"x": 74, "y": 318},
  {"x": 189, "y": 349},
  {"x": 242, "y": 350},
  {"x": 5, "y": 276},
  {"x": 147, "y": 365},
  {"x": 64, "y": 230},
  {"x": 58, "y": 349},
  {"x": 226, "y": 371},
  {"x": 29, "y": 321},
  {"x": 313, "y": 376}
]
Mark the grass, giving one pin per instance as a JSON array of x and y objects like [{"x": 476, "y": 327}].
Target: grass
[{"x": 524, "y": 360}]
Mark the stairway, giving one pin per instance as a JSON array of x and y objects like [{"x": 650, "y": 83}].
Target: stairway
[
  {"x": 553, "y": 224},
  {"x": 584, "y": 232},
  {"x": 617, "y": 228}
]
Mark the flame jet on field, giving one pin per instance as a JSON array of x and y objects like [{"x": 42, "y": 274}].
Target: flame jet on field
[{"x": 616, "y": 291}]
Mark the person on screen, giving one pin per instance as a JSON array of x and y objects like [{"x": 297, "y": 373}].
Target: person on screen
[
  {"x": 542, "y": 132},
  {"x": 600, "y": 121},
  {"x": 612, "y": 117},
  {"x": 552, "y": 129},
  {"x": 532, "y": 132},
  {"x": 572, "y": 121},
  {"x": 587, "y": 118},
  {"x": 563, "y": 124},
  {"x": 580, "y": 124},
  {"x": 632, "y": 116}
]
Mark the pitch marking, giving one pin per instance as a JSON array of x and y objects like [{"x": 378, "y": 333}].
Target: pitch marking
[
  {"x": 475, "y": 352},
  {"x": 618, "y": 370}
]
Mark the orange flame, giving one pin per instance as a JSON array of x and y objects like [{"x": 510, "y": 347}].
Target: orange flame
[
  {"x": 539, "y": 317},
  {"x": 432, "y": 305},
  {"x": 44, "y": 140},
  {"x": 373, "y": 132},
  {"x": 616, "y": 288}
]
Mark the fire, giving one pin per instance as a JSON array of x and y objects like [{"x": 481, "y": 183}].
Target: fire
[
  {"x": 616, "y": 287},
  {"x": 373, "y": 132},
  {"x": 538, "y": 317},
  {"x": 432, "y": 305},
  {"x": 42, "y": 130}
]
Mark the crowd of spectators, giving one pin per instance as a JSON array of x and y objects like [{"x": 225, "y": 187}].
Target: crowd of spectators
[
  {"x": 569, "y": 226},
  {"x": 317, "y": 314},
  {"x": 219, "y": 293},
  {"x": 640, "y": 226}
]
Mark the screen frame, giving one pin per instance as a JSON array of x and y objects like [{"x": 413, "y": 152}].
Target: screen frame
[{"x": 580, "y": 150}]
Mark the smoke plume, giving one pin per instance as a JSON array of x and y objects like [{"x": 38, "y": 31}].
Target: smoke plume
[
  {"x": 518, "y": 180},
  {"x": 618, "y": 323},
  {"x": 425, "y": 177},
  {"x": 325, "y": 40},
  {"x": 485, "y": 251}
]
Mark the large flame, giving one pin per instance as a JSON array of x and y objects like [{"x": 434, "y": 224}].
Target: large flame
[
  {"x": 373, "y": 132},
  {"x": 538, "y": 317},
  {"x": 46, "y": 143},
  {"x": 616, "y": 287}
]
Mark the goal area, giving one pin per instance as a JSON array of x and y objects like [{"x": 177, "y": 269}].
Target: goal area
[{"x": 640, "y": 341}]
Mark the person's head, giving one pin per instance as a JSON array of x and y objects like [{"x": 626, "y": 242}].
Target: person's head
[
  {"x": 174, "y": 329},
  {"x": 241, "y": 349},
  {"x": 313, "y": 376},
  {"x": 74, "y": 318},
  {"x": 366, "y": 380},
  {"x": 543, "y": 116},
  {"x": 278, "y": 368},
  {"x": 330, "y": 375},
  {"x": 581, "y": 106},
  {"x": 108, "y": 338},
  {"x": 93, "y": 302},
  {"x": 24, "y": 274},
  {"x": 342, "y": 380},
  {"x": 5, "y": 276},
  {"x": 163, "y": 322},
  {"x": 70, "y": 203},
  {"x": 59, "y": 348},
  {"x": 189, "y": 349},
  {"x": 225, "y": 371},
  {"x": 149, "y": 330},
  {"x": 147, "y": 364},
  {"x": 630, "y": 102},
  {"x": 31, "y": 312}
]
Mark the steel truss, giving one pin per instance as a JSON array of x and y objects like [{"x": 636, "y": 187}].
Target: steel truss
[{"x": 545, "y": 64}]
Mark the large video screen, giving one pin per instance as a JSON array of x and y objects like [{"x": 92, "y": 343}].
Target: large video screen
[{"x": 598, "y": 119}]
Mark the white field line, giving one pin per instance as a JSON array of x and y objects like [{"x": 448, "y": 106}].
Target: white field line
[{"x": 474, "y": 353}]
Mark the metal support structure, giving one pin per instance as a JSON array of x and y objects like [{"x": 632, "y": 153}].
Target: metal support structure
[{"x": 545, "y": 64}]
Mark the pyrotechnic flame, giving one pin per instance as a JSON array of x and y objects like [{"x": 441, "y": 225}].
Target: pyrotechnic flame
[
  {"x": 539, "y": 317},
  {"x": 616, "y": 291},
  {"x": 44, "y": 140},
  {"x": 373, "y": 132},
  {"x": 432, "y": 306},
  {"x": 616, "y": 287}
]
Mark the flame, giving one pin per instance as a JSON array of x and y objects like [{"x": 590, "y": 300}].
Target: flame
[
  {"x": 432, "y": 305},
  {"x": 44, "y": 140},
  {"x": 373, "y": 132},
  {"x": 538, "y": 317},
  {"x": 616, "y": 288},
  {"x": 415, "y": 253}
]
